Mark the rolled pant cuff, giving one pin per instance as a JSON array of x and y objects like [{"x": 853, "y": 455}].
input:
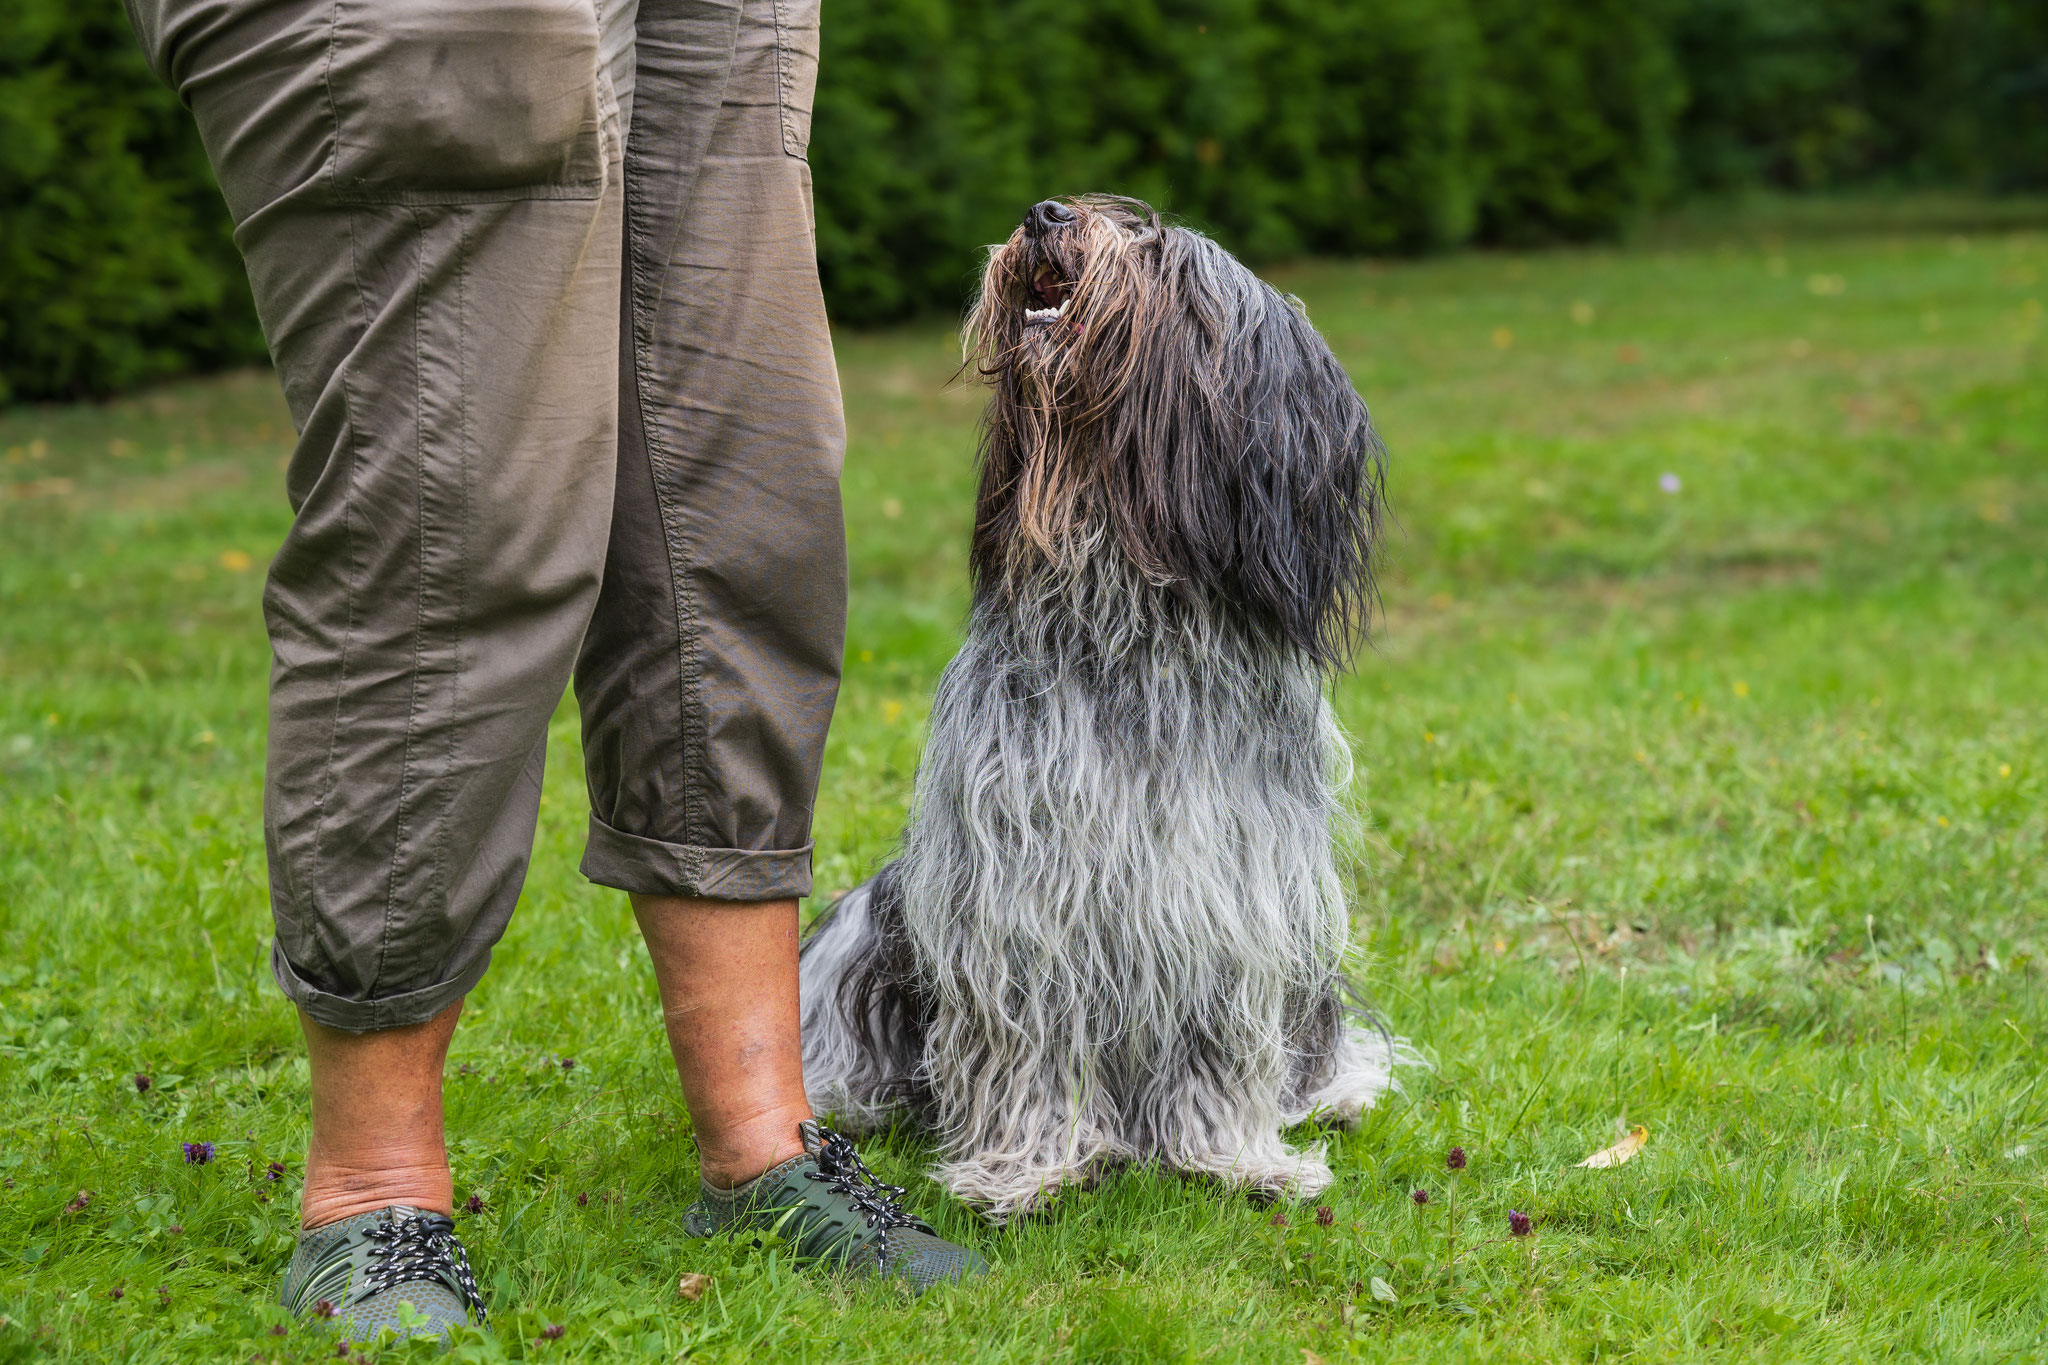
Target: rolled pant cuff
[
  {"x": 365, "y": 1016},
  {"x": 649, "y": 867}
]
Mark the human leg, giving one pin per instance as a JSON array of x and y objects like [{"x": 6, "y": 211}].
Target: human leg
[
  {"x": 712, "y": 662},
  {"x": 428, "y": 200},
  {"x": 436, "y": 265},
  {"x": 728, "y": 997},
  {"x": 377, "y": 1131}
]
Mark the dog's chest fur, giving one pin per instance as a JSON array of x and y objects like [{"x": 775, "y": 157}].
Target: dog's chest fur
[{"x": 1124, "y": 817}]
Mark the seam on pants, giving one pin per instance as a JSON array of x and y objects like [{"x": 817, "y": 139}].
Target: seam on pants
[
  {"x": 459, "y": 261},
  {"x": 350, "y": 431},
  {"x": 785, "y": 84},
  {"x": 689, "y": 671},
  {"x": 689, "y": 660},
  {"x": 419, "y": 609}
]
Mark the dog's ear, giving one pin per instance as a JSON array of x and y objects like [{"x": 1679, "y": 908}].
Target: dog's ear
[{"x": 1242, "y": 463}]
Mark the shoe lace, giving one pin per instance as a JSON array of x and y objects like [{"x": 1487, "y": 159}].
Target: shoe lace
[
  {"x": 420, "y": 1246},
  {"x": 842, "y": 1170}
]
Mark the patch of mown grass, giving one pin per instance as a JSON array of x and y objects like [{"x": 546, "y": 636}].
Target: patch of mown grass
[{"x": 1718, "y": 810}]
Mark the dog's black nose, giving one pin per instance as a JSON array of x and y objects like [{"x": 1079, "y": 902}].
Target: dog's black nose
[{"x": 1046, "y": 215}]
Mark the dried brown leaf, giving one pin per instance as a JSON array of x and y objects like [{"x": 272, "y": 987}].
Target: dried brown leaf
[{"x": 1620, "y": 1151}]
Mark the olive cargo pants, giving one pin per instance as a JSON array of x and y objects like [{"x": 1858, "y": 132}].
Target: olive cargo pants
[{"x": 540, "y": 282}]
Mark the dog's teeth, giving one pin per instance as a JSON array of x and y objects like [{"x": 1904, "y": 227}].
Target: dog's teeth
[
  {"x": 1061, "y": 309},
  {"x": 1041, "y": 314}
]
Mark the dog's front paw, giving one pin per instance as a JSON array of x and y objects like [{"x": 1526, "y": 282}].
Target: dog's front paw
[{"x": 1001, "y": 1191}]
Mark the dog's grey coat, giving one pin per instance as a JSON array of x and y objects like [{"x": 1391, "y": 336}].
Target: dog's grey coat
[{"x": 1117, "y": 930}]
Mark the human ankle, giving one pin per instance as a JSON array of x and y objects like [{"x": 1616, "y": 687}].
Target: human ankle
[
  {"x": 334, "y": 1191},
  {"x": 735, "y": 1153}
]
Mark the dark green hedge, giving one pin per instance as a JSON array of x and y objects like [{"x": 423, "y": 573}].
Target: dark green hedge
[
  {"x": 1809, "y": 94},
  {"x": 115, "y": 263},
  {"x": 1284, "y": 126}
]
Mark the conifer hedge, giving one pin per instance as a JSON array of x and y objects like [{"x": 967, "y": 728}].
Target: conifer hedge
[{"x": 1283, "y": 126}]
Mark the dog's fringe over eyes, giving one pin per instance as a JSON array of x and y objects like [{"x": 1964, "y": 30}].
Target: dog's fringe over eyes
[
  {"x": 1117, "y": 930},
  {"x": 1185, "y": 407}
]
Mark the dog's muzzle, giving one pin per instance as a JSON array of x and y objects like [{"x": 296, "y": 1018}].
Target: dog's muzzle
[
  {"x": 1048, "y": 289},
  {"x": 1046, "y": 215}
]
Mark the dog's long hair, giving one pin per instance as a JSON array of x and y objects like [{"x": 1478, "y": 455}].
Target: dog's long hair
[{"x": 1117, "y": 929}]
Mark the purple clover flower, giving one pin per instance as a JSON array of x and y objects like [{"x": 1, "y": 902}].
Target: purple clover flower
[
  {"x": 1456, "y": 1159},
  {"x": 1518, "y": 1223},
  {"x": 198, "y": 1153},
  {"x": 274, "y": 1171},
  {"x": 142, "y": 1083},
  {"x": 1420, "y": 1197},
  {"x": 1669, "y": 482}
]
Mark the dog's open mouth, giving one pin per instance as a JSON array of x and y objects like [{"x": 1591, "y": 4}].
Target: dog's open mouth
[{"x": 1050, "y": 291}]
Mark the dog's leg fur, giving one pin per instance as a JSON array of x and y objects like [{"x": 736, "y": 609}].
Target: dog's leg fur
[
  {"x": 1211, "y": 1107},
  {"x": 1023, "y": 1114}
]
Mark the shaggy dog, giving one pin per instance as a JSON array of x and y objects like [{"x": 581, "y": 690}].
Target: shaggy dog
[{"x": 1117, "y": 931}]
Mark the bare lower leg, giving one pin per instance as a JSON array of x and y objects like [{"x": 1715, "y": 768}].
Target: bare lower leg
[
  {"x": 727, "y": 972},
  {"x": 377, "y": 1134}
]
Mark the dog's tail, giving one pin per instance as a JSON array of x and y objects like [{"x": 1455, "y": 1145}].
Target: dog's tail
[
  {"x": 1345, "y": 1058},
  {"x": 863, "y": 1021}
]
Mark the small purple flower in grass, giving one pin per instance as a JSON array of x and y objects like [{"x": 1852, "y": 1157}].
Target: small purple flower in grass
[
  {"x": 1420, "y": 1196},
  {"x": 1279, "y": 1220},
  {"x": 1456, "y": 1160},
  {"x": 198, "y": 1153},
  {"x": 1669, "y": 483},
  {"x": 278, "y": 1329},
  {"x": 275, "y": 1171},
  {"x": 323, "y": 1308},
  {"x": 1518, "y": 1223},
  {"x": 142, "y": 1083},
  {"x": 473, "y": 1204},
  {"x": 116, "y": 1292},
  {"x": 1325, "y": 1215},
  {"x": 553, "y": 1331},
  {"x": 568, "y": 1063},
  {"x": 176, "y": 1230}
]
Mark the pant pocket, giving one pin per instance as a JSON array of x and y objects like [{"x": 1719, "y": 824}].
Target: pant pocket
[
  {"x": 463, "y": 101},
  {"x": 796, "y": 66}
]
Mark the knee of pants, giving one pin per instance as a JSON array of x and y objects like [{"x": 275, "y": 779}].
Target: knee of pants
[{"x": 467, "y": 100}]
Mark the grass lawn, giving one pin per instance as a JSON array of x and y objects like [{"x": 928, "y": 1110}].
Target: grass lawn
[{"x": 1706, "y": 746}]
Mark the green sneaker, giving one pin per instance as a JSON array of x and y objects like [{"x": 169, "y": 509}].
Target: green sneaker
[
  {"x": 831, "y": 1206},
  {"x": 360, "y": 1271}
]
